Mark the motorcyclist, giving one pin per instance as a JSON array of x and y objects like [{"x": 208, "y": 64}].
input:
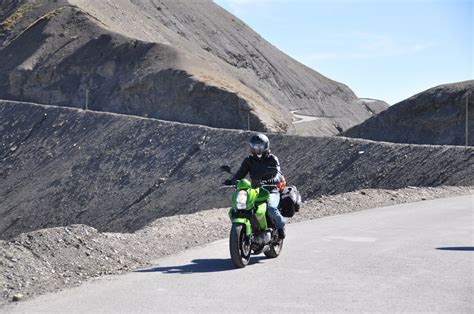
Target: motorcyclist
[{"x": 264, "y": 170}]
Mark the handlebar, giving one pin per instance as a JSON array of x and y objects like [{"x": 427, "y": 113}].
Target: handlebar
[{"x": 226, "y": 186}]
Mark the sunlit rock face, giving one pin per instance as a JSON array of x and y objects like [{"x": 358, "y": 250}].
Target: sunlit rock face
[
  {"x": 184, "y": 61},
  {"x": 435, "y": 116}
]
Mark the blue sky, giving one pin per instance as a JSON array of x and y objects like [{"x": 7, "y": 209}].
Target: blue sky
[{"x": 387, "y": 50}]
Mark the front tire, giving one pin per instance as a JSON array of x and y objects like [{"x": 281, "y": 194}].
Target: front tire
[{"x": 239, "y": 245}]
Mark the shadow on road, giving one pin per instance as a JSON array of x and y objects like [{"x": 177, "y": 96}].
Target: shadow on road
[
  {"x": 200, "y": 266},
  {"x": 456, "y": 248}
]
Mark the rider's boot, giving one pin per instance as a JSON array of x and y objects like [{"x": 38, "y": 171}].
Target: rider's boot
[{"x": 281, "y": 233}]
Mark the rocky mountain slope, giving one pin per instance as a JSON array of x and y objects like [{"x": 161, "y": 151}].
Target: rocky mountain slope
[
  {"x": 184, "y": 61},
  {"x": 435, "y": 116},
  {"x": 62, "y": 166}
]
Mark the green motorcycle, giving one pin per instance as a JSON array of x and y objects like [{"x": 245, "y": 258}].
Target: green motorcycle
[{"x": 252, "y": 232}]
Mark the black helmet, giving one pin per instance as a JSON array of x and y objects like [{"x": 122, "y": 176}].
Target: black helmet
[{"x": 259, "y": 144}]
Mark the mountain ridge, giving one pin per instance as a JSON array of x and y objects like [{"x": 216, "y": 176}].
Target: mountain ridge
[
  {"x": 212, "y": 48},
  {"x": 434, "y": 116}
]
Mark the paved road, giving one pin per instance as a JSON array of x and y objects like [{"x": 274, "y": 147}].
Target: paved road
[
  {"x": 384, "y": 260},
  {"x": 303, "y": 118}
]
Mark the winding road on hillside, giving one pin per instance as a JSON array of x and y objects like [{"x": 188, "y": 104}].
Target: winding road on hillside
[
  {"x": 413, "y": 257},
  {"x": 300, "y": 118}
]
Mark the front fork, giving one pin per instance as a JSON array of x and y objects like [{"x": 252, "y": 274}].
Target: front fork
[{"x": 259, "y": 214}]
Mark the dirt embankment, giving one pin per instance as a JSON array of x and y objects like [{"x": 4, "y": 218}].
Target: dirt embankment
[
  {"x": 184, "y": 61},
  {"x": 117, "y": 173},
  {"x": 50, "y": 259},
  {"x": 435, "y": 116}
]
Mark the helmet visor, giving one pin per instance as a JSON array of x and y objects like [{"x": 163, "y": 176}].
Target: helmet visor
[{"x": 257, "y": 148}]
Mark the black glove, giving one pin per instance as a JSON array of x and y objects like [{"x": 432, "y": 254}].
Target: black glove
[
  {"x": 229, "y": 182},
  {"x": 256, "y": 183}
]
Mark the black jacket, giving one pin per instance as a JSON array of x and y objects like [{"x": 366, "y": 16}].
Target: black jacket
[{"x": 263, "y": 171}]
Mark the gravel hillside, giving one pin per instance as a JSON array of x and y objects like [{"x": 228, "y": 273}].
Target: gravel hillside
[
  {"x": 184, "y": 61},
  {"x": 51, "y": 259},
  {"x": 435, "y": 116},
  {"x": 62, "y": 166}
]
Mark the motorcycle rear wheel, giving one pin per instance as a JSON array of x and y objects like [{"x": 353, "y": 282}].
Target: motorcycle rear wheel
[
  {"x": 239, "y": 245},
  {"x": 275, "y": 249}
]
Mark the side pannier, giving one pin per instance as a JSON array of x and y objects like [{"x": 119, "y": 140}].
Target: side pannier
[{"x": 290, "y": 201}]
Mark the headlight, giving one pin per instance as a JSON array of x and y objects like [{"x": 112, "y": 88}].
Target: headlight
[{"x": 242, "y": 200}]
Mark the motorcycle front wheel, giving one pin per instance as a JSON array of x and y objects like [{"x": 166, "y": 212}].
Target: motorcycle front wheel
[{"x": 239, "y": 245}]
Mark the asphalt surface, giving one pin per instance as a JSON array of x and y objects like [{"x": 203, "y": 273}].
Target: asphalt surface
[
  {"x": 303, "y": 118},
  {"x": 413, "y": 257}
]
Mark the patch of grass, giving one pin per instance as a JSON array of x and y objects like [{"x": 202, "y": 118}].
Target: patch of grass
[{"x": 13, "y": 19}]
